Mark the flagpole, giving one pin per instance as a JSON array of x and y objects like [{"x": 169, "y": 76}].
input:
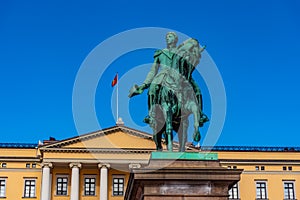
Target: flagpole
[{"x": 117, "y": 96}]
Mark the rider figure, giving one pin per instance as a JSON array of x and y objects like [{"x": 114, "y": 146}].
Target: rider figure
[
  {"x": 159, "y": 71},
  {"x": 155, "y": 79}
]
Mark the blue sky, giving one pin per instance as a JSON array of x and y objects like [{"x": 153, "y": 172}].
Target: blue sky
[{"x": 255, "y": 45}]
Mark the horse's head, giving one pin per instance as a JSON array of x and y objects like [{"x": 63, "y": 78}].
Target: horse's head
[{"x": 190, "y": 50}]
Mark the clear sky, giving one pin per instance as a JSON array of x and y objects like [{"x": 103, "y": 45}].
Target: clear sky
[{"x": 254, "y": 44}]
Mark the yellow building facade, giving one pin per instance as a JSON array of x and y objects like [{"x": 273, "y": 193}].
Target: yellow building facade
[{"x": 96, "y": 166}]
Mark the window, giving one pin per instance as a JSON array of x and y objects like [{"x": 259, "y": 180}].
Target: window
[
  {"x": 29, "y": 189},
  {"x": 3, "y": 165},
  {"x": 234, "y": 192},
  {"x": 284, "y": 168},
  {"x": 27, "y": 165},
  {"x": 289, "y": 191},
  {"x": 2, "y": 187},
  {"x": 118, "y": 186},
  {"x": 234, "y": 167},
  {"x": 257, "y": 168},
  {"x": 62, "y": 185},
  {"x": 89, "y": 186},
  {"x": 261, "y": 190},
  {"x": 33, "y": 165}
]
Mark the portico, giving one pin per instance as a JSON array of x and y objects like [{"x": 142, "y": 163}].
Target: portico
[{"x": 92, "y": 165}]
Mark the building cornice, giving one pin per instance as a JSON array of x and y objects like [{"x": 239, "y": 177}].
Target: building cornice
[
  {"x": 98, "y": 150},
  {"x": 259, "y": 161},
  {"x": 96, "y": 161},
  {"x": 272, "y": 172},
  {"x": 19, "y": 159},
  {"x": 20, "y": 170}
]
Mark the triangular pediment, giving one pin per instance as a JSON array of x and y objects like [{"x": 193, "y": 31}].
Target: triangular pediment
[{"x": 117, "y": 137}]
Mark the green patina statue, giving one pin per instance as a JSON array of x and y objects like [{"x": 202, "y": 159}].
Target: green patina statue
[{"x": 172, "y": 92}]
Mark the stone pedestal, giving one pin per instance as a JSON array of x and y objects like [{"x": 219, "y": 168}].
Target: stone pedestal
[{"x": 181, "y": 180}]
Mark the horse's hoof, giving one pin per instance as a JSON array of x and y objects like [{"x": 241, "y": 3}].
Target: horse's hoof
[
  {"x": 197, "y": 136},
  {"x": 147, "y": 120},
  {"x": 203, "y": 119}
]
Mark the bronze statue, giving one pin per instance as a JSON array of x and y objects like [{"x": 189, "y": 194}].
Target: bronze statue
[{"x": 173, "y": 94}]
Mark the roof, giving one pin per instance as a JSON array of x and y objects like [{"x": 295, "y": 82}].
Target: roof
[
  {"x": 206, "y": 148},
  {"x": 251, "y": 148},
  {"x": 107, "y": 131},
  {"x": 19, "y": 145},
  {"x": 147, "y": 136}
]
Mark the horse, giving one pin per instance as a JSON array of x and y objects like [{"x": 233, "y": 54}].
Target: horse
[
  {"x": 176, "y": 99},
  {"x": 172, "y": 98}
]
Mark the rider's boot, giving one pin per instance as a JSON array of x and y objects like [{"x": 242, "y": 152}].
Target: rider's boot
[{"x": 203, "y": 117}]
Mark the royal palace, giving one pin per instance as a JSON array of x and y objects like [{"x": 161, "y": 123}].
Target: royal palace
[{"x": 97, "y": 165}]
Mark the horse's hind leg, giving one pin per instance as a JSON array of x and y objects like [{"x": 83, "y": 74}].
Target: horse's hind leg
[
  {"x": 182, "y": 134},
  {"x": 197, "y": 117}
]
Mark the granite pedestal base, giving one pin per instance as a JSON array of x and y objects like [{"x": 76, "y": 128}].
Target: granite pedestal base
[{"x": 181, "y": 180}]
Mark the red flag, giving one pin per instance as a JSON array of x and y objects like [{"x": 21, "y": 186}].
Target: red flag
[{"x": 115, "y": 81}]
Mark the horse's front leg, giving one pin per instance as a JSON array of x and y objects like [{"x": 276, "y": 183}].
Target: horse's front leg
[
  {"x": 156, "y": 126},
  {"x": 157, "y": 136}
]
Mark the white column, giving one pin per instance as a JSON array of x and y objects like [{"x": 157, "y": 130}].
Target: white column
[
  {"x": 75, "y": 181},
  {"x": 103, "y": 180},
  {"x": 45, "y": 192}
]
